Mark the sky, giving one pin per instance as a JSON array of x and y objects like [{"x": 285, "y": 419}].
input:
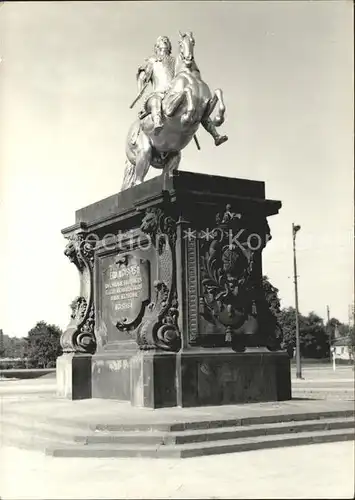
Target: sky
[{"x": 67, "y": 78}]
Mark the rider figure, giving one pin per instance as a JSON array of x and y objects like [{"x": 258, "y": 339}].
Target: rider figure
[{"x": 159, "y": 70}]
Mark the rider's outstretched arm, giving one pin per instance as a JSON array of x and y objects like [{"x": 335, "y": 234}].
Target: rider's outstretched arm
[
  {"x": 144, "y": 74},
  {"x": 141, "y": 80}
]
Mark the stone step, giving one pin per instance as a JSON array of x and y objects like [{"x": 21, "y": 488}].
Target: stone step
[
  {"x": 145, "y": 443},
  {"x": 73, "y": 434},
  {"x": 216, "y": 424},
  {"x": 202, "y": 435},
  {"x": 262, "y": 430},
  {"x": 200, "y": 449}
]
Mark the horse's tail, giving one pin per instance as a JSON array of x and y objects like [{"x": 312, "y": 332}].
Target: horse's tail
[
  {"x": 129, "y": 175},
  {"x": 134, "y": 133}
]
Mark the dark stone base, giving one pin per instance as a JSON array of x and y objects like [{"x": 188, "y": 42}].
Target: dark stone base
[
  {"x": 73, "y": 373},
  {"x": 222, "y": 377},
  {"x": 111, "y": 375},
  {"x": 153, "y": 379},
  {"x": 201, "y": 377}
]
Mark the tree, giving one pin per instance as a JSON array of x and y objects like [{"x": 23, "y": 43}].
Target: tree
[
  {"x": 351, "y": 340},
  {"x": 314, "y": 335},
  {"x": 12, "y": 347},
  {"x": 43, "y": 345},
  {"x": 344, "y": 330},
  {"x": 269, "y": 310},
  {"x": 314, "y": 339},
  {"x": 287, "y": 321},
  {"x": 2, "y": 348},
  {"x": 336, "y": 327},
  {"x": 271, "y": 296}
]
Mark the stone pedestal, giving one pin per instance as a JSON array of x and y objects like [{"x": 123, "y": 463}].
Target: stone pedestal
[
  {"x": 171, "y": 302},
  {"x": 111, "y": 375},
  {"x": 74, "y": 376},
  {"x": 209, "y": 377},
  {"x": 220, "y": 377},
  {"x": 154, "y": 379}
]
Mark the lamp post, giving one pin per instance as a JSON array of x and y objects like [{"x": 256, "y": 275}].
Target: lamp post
[{"x": 295, "y": 229}]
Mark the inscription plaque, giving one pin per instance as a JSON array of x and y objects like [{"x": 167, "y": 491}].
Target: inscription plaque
[{"x": 126, "y": 289}]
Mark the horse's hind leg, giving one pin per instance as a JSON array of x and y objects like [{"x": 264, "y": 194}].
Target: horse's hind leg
[
  {"x": 143, "y": 158},
  {"x": 129, "y": 175},
  {"x": 172, "y": 164}
]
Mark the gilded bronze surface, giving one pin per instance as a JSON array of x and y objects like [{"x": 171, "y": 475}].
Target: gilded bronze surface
[{"x": 180, "y": 101}]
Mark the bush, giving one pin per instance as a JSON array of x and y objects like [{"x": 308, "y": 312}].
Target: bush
[
  {"x": 6, "y": 365},
  {"x": 9, "y": 364}
]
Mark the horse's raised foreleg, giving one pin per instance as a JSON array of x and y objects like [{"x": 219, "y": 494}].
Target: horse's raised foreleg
[
  {"x": 217, "y": 98},
  {"x": 208, "y": 125},
  {"x": 171, "y": 102},
  {"x": 211, "y": 105},
  {"x": 188, "y": 115},
  {"x": 211, "y": 124},
  {"x": 219, "y": 118}
]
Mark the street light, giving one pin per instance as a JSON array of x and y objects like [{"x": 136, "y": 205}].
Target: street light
[{"x": 295, "y": 229}]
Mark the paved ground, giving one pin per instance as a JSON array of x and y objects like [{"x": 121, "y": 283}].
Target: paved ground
[
  {"x": 313, "y": 471},
  {"x": 316, "y": 378},
  {"x": 321, "y": 382}
]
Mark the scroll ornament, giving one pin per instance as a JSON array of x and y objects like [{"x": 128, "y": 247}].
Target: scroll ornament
[
  {"x": 159, "y": 328},
  {"x": 79, "y": 337}
]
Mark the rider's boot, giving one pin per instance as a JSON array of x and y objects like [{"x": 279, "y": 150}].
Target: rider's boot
[
  {"x": 208, "y": 125},
  {"x": 156, "y": 115},
  {"x": 158, "y": 124}
]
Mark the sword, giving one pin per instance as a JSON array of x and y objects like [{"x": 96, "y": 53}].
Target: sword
[
  {"x": 139, "y": 95},
  {"x": 197, "y": 143}
]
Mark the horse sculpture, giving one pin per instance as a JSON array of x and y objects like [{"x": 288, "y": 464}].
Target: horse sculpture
[{"x": 187, "y": 103}]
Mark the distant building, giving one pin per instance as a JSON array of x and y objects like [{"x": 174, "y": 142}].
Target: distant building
[{"x": 341, "y": 347}]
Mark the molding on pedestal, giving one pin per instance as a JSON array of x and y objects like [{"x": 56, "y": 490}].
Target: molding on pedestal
[
  {"x": 79, "y": 336},
  {"x": 192, "y": 289},
  {"x": 159, "y": 327}
]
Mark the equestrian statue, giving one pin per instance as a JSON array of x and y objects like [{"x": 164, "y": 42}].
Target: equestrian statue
[{"x": 179, "y": 102}]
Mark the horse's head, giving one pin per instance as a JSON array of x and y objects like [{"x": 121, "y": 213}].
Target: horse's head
[{"x": 186, "y": 48}]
